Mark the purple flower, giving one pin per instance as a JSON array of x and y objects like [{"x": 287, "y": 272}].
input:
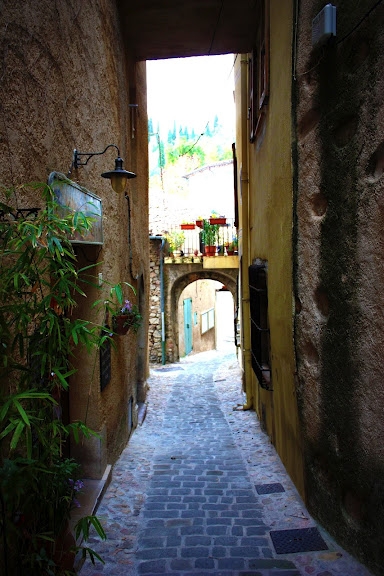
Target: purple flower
[
  {"x": 127, "y": 308},
  {"x": 79, "y": 484}
]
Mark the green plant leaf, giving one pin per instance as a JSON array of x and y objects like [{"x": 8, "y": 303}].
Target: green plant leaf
[
  {"x": 61, "y": 377},
  {"x": 22, "y": 412},
  {"x": 16, "y": 435},
  {"x": 11, "y": 426}
]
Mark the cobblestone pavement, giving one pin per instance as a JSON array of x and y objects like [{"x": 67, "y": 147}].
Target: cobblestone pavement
[{"x": 182, "y": 500}]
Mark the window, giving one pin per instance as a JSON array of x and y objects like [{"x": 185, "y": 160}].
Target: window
[
  {"x": 260, "y": 345},
  {"x": 207, "y": 320},
  {"x": 259, "y": 72}
]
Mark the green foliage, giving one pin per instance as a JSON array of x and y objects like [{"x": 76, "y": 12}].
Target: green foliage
[
  {"x": 39, "y": 285},
  {"x": 185, "y": 148},
  {"x": 117, "y": 305},
  {"x": 150, "y": 128},
  {"x": 210, "y": 233},
  {"x": 175, "y": 240},
  {"x": 161, "y": 154}
]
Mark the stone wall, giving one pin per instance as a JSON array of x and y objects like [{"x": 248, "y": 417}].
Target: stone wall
[
  {"x": 67, "y": 82},
  {"x": 177, "y": 277},
  {"x": 154, "y": 331},
  {"x": 340, "y": 273}
]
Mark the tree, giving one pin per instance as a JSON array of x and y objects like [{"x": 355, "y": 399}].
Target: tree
[
  {"x": 150, "y": 127},
  {"x": 216, "y": 124}
]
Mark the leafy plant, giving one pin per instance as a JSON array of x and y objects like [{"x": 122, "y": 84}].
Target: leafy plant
[
  {"x": 39, "y": 284},
  {"x": 210, "y": 233},
  {"x": 233, "y": 245},
  {"x": 175, "y": 240},
  {"x": 118, "y": 305}
]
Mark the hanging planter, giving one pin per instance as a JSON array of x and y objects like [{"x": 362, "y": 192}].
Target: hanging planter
[
  {"x": 200, "y": 223},
  {"x": 190, "y": 226},
  {"x": 121, "y": 324},
  {"x": 221, "y": 221}
]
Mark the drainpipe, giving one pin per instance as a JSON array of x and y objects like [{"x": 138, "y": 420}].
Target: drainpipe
[
  {"x": 161, "y": 296},
  {"x": 244, "y": 187}
]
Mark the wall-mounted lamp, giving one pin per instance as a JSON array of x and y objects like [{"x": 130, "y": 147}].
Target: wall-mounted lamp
[{"x": 118, "y": 176}]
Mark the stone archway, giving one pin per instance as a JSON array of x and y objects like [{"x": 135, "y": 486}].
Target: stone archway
[{"x": 178, "y": 277}]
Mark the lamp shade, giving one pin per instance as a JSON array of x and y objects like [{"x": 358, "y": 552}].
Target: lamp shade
[{"x": 118, "y": 176}]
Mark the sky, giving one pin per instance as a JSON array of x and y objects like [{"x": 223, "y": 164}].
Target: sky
[{"x": 191, "y": 91}]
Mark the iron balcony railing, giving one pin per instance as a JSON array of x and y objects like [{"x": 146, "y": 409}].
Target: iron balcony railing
[{"x": 192, "y": 243}]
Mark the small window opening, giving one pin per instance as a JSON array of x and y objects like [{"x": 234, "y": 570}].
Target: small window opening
[{"x": 260, "y": 335}]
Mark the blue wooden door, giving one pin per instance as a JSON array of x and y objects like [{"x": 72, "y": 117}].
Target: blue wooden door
[{"x": 187, "y": 303}]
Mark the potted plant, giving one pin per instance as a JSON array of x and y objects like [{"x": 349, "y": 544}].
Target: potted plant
[
  {"x": 232, "y": 246},
  {"x": 175, "y": 241},
  {"x": 187, "y": 225},
  {"x": 216, "y": 219},
  {"x": 125, "y": 314},
  {"x": 209, "y": 237},
  {"x": 200, "y": 222}
]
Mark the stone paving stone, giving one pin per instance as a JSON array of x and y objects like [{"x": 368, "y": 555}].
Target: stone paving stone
[{"x": 183, "y": 499}]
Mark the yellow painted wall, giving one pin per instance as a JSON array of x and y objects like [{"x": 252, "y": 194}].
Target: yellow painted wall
[{"x": 267, "y": 220}]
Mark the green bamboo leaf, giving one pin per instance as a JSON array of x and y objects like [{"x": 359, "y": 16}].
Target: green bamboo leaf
[
  {"x": 17, "y": 434},
  {"x": 5, "y": 409},
  {"x": 22, "y": 412},
  {"x": 62, "y": 379},
  {"x": 37, "y": 395},
  {"x": 7, "y": 430},
  {"x": 119, "y": 293},
  {"x": 95, "y": 522},
  {"x": 75, "y": 433}
]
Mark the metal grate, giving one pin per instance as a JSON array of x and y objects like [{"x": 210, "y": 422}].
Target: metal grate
[
  {"x": 269, "y": 488},
  {"x": 300, "y": 540}
]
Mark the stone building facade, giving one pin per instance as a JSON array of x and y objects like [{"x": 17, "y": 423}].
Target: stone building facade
[
  {"x": 155, "y": 319},
  {"x": 310, "y": 159},
  {"x": 68, "y": 81},
  {"x": 339, "y": 91}
]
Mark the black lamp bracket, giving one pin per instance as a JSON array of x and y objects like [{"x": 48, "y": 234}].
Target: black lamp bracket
[{"x": 77, "y": 155}]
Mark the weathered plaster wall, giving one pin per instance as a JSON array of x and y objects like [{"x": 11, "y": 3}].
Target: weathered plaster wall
[
  {"x": 203, "y": 295},
  {"x": 67, "y": 81},
  {"x": 339, "y": 274},
  {"x": 267, "y": 219}
]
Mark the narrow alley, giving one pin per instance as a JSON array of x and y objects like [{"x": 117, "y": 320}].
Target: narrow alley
[{"x": 200, "y": 490}]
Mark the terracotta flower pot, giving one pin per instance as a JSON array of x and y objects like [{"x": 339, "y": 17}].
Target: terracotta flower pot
[
  {"x": 220, "y": 221},
  {"x": 120, "y": 324},
  {"x": 199, "y": 223},
  {"x": 187, "y": 226},
  {"x": 210, "y": 250}
]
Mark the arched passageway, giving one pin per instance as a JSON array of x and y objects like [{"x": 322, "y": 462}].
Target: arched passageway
[
  {"x": 178, "y": 277},
  {"x": 205, "y": 318}
]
